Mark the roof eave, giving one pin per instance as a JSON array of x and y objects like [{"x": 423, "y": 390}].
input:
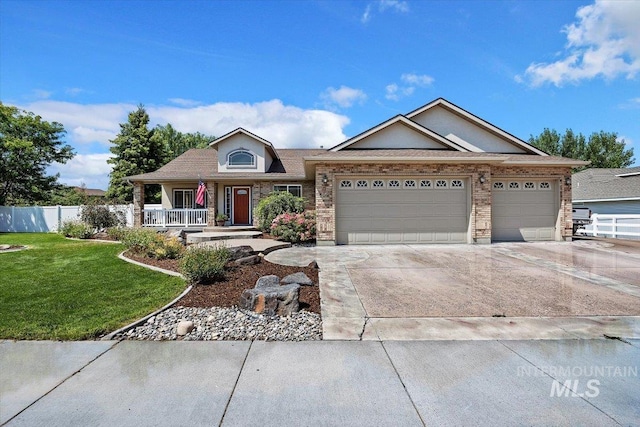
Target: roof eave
[{"x": 407, "y": 159}]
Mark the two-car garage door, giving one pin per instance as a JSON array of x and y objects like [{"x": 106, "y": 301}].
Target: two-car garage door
[{"x": 380, "y": 210}]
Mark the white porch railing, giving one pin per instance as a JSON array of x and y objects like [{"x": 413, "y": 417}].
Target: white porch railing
[
  {"x": 174, "y": 218},
  {"x": 615, "y": 226}
]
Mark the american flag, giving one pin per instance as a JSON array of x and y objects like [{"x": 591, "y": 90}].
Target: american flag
[{"x": 200, "y": 194}]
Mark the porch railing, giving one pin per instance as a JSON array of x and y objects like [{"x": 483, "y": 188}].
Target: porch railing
[{"x": 174, "y": 217}]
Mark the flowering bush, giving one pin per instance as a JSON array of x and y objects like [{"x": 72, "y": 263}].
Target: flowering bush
[
  {"x": 294, "y": 227},
  {"x": 150, "y": 243},
  {"x": 275, "y": 204},
  {"x": 76, "y": 229}
]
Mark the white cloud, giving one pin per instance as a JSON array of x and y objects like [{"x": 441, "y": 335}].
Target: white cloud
[
  {"x": 74, "y": 91},
  {"x": 343, "y": 97},
  {"x": 41, "y": 94},
  {"x": 383, "y": 5},
  {"x": 184, "y": 102},
  {"x": 603, "y": 42},
  {"x": 91, "y": 170},
  {"x": 411, "y": 81},
  {"x": 417, "y": 80},
  {"x": 285, "y": 126}
]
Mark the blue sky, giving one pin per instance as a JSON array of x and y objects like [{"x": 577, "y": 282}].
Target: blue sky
[{"x": 311, "y": 73}]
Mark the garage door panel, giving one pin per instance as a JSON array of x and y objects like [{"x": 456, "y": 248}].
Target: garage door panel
[
  {"x": 401, "y": 215},
  {"x": 524, "y": 214}
]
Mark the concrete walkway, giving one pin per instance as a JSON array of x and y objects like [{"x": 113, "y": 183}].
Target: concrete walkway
[
  {"x": 381, "y": 292},
  {"x": 397, "y": 383}
]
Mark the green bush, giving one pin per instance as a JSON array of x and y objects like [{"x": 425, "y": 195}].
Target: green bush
[
  {"x": 76, "y": 229},
  {"x": 139, "y": 240},
  {"x": 202, "y": 265},
  {"x": 294, "y": 228},
  {"x": 275, "y": 204},
  {"x": 117, "y": 233},
  {"x": 101, "y": 217},
  {"x": 165, "y": 247}
]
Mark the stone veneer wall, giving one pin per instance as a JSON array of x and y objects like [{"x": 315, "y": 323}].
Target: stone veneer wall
[
  {"x": 138, "y": 204},
  {"x": 480, "y": 223}
]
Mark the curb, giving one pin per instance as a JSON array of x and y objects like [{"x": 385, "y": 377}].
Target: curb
[
  {"x": 150, "y": 267},
  {"x": 145, "y": 318}
]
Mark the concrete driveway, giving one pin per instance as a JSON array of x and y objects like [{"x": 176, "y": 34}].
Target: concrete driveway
[{"x": 501, "y": 291}]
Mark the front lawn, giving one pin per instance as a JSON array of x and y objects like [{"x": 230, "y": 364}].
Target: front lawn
[{"x": 69, "y": 290}]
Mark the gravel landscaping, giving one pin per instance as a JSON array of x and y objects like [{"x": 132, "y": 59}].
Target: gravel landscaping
[{"x": 214, "y": 314}]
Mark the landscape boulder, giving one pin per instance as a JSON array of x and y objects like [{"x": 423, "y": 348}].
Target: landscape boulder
[
  {"x": 248, "y": 260},
  {"x": 238, "y": 252},
  {"x": 270, "y": 299},
  {"x": 299, "y": 278},
  {"x": 184, "y": 327}
]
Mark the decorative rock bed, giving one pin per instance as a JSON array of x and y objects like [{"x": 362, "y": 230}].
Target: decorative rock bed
[{"x": 219, "y": 323}]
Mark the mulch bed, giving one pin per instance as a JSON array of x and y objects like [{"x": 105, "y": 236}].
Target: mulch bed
[{"x": 227, "y": 293}]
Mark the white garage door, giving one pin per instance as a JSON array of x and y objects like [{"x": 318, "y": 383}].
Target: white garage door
[
  {"x": 372, "y": 210},
  {"x": 523, "y": 210}
]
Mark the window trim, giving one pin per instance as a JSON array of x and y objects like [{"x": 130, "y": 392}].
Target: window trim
[
  {"x": 287, "y": 188},
  {"x": 253, "y": 165}
]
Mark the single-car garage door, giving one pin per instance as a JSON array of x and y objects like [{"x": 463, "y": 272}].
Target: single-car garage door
[
  {"x": 523, "y": 210},
  {"x": 376, "y": 210}
]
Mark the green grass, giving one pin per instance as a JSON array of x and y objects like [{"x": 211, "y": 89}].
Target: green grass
[{"x": 64, "y": 289}]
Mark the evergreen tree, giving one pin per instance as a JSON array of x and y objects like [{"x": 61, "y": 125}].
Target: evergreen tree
[{"x": 136, "y": 152}]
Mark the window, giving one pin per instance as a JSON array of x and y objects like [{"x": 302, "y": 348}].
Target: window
[
  {"x": 425, "y": 183},
  {"x": 545, "y": 185},
  {"x": 241, "y": 159},
  {"x": 514, "y": 186},
  {"x": 441, "y": 183},
  {"x": 378, "y": 183},
  {"x": 409, "y": 183},
  {"x": 529, "y": 186},
  {"x": 457, "y": 183},
  {"x": 362, "y": 184},
  {"x": 498, "y": 185},
  {"x": 295, "y": 189},
  {"x": 345, "y": 184},
  {"x": 183, "y": 199},
  {"x": 394, "y": 183}
]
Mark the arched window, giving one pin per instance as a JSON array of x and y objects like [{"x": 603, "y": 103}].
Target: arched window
[{"x": 241, "y": 159}]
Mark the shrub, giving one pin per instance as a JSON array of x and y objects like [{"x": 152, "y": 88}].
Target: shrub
[
  {"x": 76, "y": 229},
  {"x": 275, "y": 204},
  {"x": 294, "y": 228},
  {"x": 117, "y": 233},
  {"x": 101, "y": 217},
  {"x": 201, "y": 265},
  {"x": 165, "y": 247},
  {"x": 139, "y": 240}
]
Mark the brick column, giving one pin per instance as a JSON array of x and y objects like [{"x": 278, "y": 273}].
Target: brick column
[
  {"x": 212, "y": 200},
  {"x": 481, "y": 205},
  {"x": 138, "y": 204}
]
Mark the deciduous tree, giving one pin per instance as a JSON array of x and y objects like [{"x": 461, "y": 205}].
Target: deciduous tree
[{"x": 28, "y": 145}]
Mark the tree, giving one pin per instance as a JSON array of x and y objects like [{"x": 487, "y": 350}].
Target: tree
[
  {"x": 602, "y": 148},
  {"x": 175, "y": 143},
  {"x": 136, "y": 152},
  {"x": 28, "y": 145}
]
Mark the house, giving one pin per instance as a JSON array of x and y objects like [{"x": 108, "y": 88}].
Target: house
[
  {"x": 608, "y": 191},
  {"x": 438, "y": 174}
]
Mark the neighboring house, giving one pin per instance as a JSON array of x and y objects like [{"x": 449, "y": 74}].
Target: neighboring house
[
  {"x": 91, "y": 192},
  {"x": 608, "y": 191},
  {"x": 436, "y": 175}
]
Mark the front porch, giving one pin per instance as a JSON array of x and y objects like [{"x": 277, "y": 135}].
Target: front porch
[{"x": 172, "y": 218}]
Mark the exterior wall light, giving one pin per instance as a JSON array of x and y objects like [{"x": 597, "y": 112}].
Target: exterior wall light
[
  {"x": 325, "y": 180},
  {"x": 567, "y": 180},
  {"x": 482, "y": 179}
]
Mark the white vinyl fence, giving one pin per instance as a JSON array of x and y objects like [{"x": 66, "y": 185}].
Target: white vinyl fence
[
  {"x": 614, "y": 226},
  {"x": 45, "y": 218}
]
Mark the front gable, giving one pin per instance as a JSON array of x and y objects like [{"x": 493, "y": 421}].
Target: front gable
[
  {"x": 242, "y": 151},
  {"x": 398, "y": 133},
  {"x": 468, "y": 130}
]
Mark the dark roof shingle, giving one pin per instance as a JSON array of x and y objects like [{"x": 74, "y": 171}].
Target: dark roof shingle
[{"x": 602, "y": 183}]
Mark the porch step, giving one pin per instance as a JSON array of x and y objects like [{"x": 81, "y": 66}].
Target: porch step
[
  {"x": 230, "y": 229},
  {"x": 207, "y": 236}
]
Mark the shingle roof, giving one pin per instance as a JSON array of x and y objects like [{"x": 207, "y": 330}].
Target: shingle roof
[
  {"x": 603, "y": 184},
  {"x": 202, "y": 163}
]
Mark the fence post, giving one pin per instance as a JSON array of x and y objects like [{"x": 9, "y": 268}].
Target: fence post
[
  {"x": 13, "y": 219},
  {"x": 595, "y": 225},
  {"x": 59, "y": 217},
  {"x": 614, "y": 226}
]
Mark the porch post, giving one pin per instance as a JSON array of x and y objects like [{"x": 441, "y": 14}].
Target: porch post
[
  {"x": 138, "y": 204},
  {"x": 212, "y": 195}
]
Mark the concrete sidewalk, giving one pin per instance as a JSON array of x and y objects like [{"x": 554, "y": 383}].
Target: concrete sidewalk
[{"x": 395, "y": 383}]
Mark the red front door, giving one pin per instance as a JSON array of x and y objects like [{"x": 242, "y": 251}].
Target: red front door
[{"x": 241, "y": 206}]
